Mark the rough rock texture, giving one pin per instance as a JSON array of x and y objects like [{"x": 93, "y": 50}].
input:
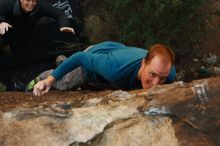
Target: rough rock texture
[
  {"x": 140, "y": 131},
  {"x": 177, "y": 114}
]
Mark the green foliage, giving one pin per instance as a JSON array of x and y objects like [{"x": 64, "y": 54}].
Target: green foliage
[
  {"x": 144, "y": 22},
  {"x": 2, "y": 87}
]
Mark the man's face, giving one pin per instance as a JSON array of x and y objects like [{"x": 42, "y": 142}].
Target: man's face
[
  {"x": 155, "y": 72},
  {"x": 28, "y": 5}
]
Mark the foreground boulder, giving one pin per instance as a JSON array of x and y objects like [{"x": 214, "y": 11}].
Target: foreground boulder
[{"x": 170, "y": 115}]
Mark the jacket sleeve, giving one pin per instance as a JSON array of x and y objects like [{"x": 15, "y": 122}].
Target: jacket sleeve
[{"x": 54, "y": 13}]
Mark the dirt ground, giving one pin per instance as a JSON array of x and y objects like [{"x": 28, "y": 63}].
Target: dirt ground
[{"x": 10, "y": 100}]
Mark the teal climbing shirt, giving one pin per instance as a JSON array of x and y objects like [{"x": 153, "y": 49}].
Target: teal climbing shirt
[{"x": 109, "y": 63}]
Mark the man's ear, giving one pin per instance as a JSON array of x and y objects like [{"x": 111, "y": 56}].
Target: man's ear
[{"x": 143, "y": 62}]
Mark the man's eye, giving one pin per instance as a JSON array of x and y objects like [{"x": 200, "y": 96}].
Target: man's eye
[{"x": 152, "y": 74}]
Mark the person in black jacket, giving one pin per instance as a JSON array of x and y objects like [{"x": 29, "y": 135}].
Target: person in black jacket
[{"x": 18, "y": 19}]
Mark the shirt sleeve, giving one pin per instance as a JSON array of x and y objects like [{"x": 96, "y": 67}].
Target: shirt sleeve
[{"x": 88, "y": 61}]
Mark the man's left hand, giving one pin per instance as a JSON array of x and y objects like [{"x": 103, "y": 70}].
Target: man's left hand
[{"x": 67, "y": 29}]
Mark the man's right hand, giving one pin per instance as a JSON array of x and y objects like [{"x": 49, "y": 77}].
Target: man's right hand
[
  {"x": 43, "y": 86},
  {"x": 4, "y": 27}
]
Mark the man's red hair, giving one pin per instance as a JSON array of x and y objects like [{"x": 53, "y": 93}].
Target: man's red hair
[{"x": 162, "y": 51}]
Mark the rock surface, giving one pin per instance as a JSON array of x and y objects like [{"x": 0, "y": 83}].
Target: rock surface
[{"x": 170, "y": 115}]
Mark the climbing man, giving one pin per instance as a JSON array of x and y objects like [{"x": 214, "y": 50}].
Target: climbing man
[{"x": 111, "y": 64}]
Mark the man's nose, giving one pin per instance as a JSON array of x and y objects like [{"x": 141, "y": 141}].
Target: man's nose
[{"x": 156, "y": 81}]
